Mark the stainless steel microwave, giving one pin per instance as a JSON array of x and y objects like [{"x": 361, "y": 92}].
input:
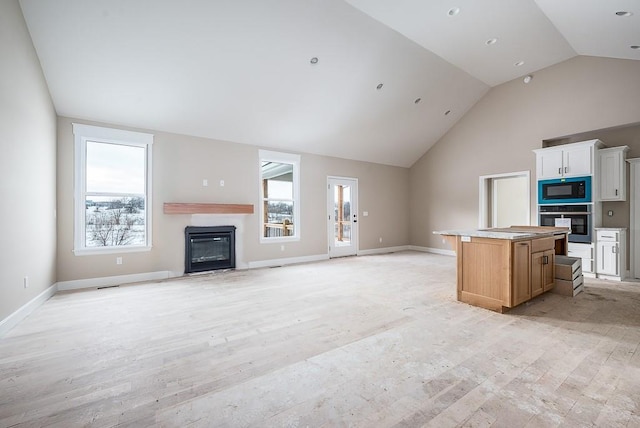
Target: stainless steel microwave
[{"x": 574, "y": 190}]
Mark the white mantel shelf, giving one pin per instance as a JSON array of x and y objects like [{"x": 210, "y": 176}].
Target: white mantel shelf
[{"x": 191, "y": 208}]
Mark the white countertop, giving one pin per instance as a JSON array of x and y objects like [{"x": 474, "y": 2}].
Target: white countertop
[{"x": 499, "y": 233}]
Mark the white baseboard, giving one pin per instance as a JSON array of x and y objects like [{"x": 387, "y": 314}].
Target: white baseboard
[
  {"x": 12, "y": 320},
  {"x": 433, "y": 250},
  {"x": 287, "y": 261},
  {"x": 112, "y": 280},
  {"x": 383, "y": 250}
]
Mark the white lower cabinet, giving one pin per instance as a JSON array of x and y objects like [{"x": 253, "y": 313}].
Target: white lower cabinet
[
  {"x": 610, "y": 253},
  {"x": 584, "y": 252}
]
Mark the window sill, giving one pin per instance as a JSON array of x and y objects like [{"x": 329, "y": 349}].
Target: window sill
[
  {"x": 110, "y": 250},
  {"x": 279, "y": 240}
]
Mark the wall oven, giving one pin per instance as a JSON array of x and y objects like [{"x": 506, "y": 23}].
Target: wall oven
[
  {"x": 579, "y": 215},
  {"x": 574, "y": 190}
]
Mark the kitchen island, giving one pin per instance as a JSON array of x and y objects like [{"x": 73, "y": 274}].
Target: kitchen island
[{"x": 501, "y": 268}]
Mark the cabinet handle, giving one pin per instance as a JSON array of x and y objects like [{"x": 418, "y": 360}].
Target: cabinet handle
[
  {"x": 566, "y": 169},
  {"x": 559, "y": 170},
  {"x": 545, "y": 260},
  {"x": 614, "y": 249},
  {"x": 616, "y": 192}
]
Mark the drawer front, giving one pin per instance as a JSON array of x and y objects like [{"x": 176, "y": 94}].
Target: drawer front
[
  {"x": 542, "y": 244},
  {"x": 607, "y": 236},
  {"x": 580, "y": 251}
]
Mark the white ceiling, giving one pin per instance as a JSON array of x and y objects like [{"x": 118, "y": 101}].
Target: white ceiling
[{"x": 240, "y": 70}]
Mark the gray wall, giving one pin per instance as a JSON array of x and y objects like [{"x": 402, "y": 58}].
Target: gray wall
[
  {"x": 180, "y": 163},
  {"x": 27, "y": 167},
  {"x": 499, "y": 133}
]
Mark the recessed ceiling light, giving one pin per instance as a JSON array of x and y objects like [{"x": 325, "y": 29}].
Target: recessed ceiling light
[
  {"x": 314, "y": 60},
  {"x": 527, "y": 78},
  {"x": 453, "y": 11},
  {"x": 446, "y": 113},
  {"x": 519, "y": 63},
  {"x": 634, "y": 47},
  {"x": 417, "y": 100},
  {"x": 380, "y": 85},
  {"x": 491, "y": 42},
  {"x": 624, "y": 13}
]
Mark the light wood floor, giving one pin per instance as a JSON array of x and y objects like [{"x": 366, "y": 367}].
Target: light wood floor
[{"x": 371, "y": 341}]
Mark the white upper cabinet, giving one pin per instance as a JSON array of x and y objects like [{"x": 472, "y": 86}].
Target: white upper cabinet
[
  {"x": 578, "y": 161},
  {"x": 569, "y": 160},
  {"x": 612, "y": 170},
  {"x": 549, "y": 163}
]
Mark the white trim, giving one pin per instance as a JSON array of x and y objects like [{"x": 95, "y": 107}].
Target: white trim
[
  {"x": 383, "y": 250},
  {"x": 113, "y": 280},
  {"x": 634, "y": 225},
  {"x": 16, "y": 317},
  {"x": 288, "y": 158},
  {"x": 483, "y": 188},
  {"x": 440, "y": 251},
  {"x": 92, "y": 251},
  {"x": 287, "y": 261},
  {"x": 82, "y": 134}
]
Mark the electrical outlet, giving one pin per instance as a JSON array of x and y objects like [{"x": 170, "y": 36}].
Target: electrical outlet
[
  {"x": 221, "y": 183},
  {"x": 281, "y": 247},
  {"x": 205, "y": 182},
  {"x": 26, "y": 282},
  {"x": 118, "y": 260}
]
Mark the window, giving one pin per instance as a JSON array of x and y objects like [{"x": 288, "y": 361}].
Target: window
[
  {"x": 280, "y": 193},
  {"x": 112, "y": 190}
]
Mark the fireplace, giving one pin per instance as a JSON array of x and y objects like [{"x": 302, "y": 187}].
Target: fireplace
[{"x": 209, "y": 248}]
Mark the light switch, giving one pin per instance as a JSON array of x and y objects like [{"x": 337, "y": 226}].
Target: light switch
[
  {"x": 205, "y": 182},
  {"x": 221, "y": 183}
]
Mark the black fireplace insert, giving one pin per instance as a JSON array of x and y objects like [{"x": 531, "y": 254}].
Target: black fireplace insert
[{"x": 209, "y": 248}]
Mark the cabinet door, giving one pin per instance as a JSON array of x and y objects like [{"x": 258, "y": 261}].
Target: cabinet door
[
  {"x": 577, "y": 161},
  {"x": 549, "y": 164},
  {"x": 611, "y": 176},
  {"x": 521, "y": 282},
  {"x": 537, "y": 267},
  {"x": 542, "y": 272},
  {"x": 608, "y": 258},
  {"x": 548, "y": 270}
]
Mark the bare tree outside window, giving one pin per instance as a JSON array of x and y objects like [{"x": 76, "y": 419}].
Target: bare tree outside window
[{"x": 115, "y": 222}]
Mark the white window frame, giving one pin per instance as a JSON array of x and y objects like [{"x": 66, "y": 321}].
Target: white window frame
[
  {"x": 83, "y": 134},
  {"x": 289, "y": 158}
]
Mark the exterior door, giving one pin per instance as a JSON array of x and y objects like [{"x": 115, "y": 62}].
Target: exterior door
[{"x": 342, "y": 216}]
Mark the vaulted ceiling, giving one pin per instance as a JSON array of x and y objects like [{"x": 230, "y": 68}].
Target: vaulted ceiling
[{"x": 391, "y": 77}]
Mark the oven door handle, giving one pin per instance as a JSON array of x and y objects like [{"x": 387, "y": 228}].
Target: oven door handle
[{"x": 573, "y": 213}]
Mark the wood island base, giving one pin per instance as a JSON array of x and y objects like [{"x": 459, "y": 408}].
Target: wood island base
[{"x": 499, "y": 269}]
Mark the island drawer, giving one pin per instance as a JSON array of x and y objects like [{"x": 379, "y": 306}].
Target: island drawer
[{"x": 542, "y": 244}]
